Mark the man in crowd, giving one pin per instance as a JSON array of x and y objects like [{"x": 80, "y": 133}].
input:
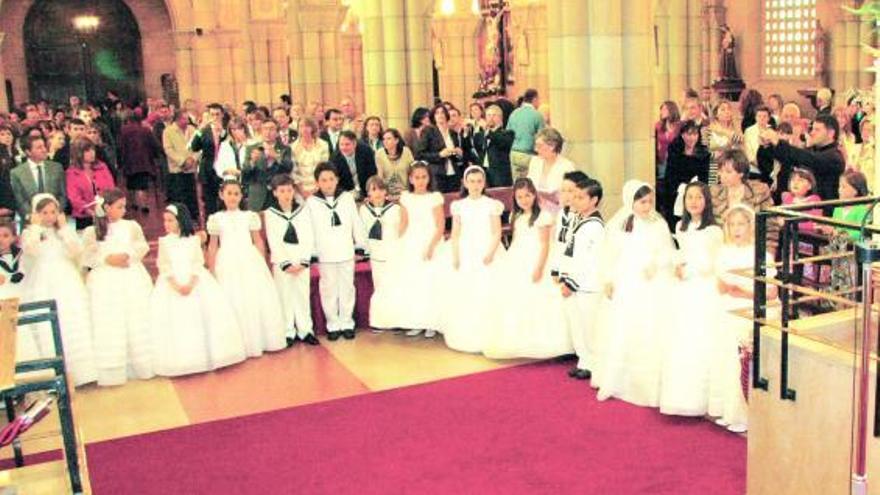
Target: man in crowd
[
  {"x": 495, "y": 156},
  {"x": 264, "y": 160},
  {"x": 207, "y": 141},
  {"x": 36, "y": 175},
  {"x": 355, "y": 162},
  {"x": 525, "y": 122},
  {"x": 180, "y": 185},
  {"x": 334, "y": 121}
]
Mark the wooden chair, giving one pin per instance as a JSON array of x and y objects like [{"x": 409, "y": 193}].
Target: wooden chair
[{"x": 12, "y": 318}]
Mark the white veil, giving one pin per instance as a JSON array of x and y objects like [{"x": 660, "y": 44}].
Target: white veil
[{"x": 629, "y": 191}]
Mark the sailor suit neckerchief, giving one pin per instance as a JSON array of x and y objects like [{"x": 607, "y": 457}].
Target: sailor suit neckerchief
[
  {"x": 15, "y": 275},
  {"x": 335, "y": 221},
  {"x": 378, "y": 213},
  {"x": 565, "y": 221},
  {"x": 290, "y": 236},
  {"x": 580, "y": 221}
]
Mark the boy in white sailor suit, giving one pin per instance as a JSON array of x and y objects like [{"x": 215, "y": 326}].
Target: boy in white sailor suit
[
  {"x": 383, "y": 222},
  {"x": 291, "y": 242},
  {"x": 580, "y": 284},
  {"x": 556, "y": 262},
  {"x": 338, "y": 232}
]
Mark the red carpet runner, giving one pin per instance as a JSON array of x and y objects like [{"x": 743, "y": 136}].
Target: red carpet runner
[{"x": 527, "y": 429}]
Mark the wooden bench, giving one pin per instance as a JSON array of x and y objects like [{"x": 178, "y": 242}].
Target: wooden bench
[{"x": 12, "y": 318}]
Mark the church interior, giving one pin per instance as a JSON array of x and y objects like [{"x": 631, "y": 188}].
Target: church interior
[{"x": 618, "y": 83}]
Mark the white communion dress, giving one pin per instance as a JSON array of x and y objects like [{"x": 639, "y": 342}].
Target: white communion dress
[
  {"x": 467, "y": 312},
  {"x": 119, "y": 302},
  {"x": 531, "y": 321},
  {"x": 412, "y": 281},
  {"x": 684, "y": 379},
  {"x": 53, "y": 274},
  {"x": 634, "y": 320},
  {"x": 247, "y": 282},
  {"x": 197, "y": 332}
]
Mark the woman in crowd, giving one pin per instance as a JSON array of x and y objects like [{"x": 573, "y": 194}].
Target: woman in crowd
[
  {"x": 421, "y": 120},
  {"x": 548, "y": 167},
  {"x": 441, "y": 148},
  {"x": 687, "y": 158},
  {"x": 308, "y": 151},
  {"x": 665, "y": 131},
  {"x": 721, "y": 135},
  {"x": 87, "y": 178},
  {"x": 371, "y": 135},
  {"x": 392, "y": 162}
]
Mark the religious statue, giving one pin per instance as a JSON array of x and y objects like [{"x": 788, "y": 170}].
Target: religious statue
[
  {"x": 494, "y": 48},
  {"x": 728, "y": 54}
]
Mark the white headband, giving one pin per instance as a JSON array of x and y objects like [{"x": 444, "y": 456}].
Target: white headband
[
  {"x": 40, "y": 197},
  {"x": 172, "y": 209},
  {"x": 473, "y": 168}
]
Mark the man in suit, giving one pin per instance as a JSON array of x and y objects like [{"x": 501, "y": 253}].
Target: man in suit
[
  {"x": 263, "y": 161},
  {"x": 495, "y": 147},
  {"x": 207, "y": 140},
  {"x": 36, "y": 175},
  {"x": 75, "y": 130},
  {"x": 355, "y": 162},
  {"x": 334, "y": 120},
  {"x": 286, "y": 134}
]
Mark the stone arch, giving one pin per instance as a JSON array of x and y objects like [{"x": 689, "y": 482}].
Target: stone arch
[{"x": 157, "y": 21}]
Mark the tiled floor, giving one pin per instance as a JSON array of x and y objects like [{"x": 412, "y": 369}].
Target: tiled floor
[{"x": 296, "y": 376}]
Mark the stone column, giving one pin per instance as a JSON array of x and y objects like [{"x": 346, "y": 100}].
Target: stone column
[
  {"x": 262, "y": 78},
  {"x": 418, "y": 53},
  {"x": 678, "y": 48},
  {"x": 867, "y": 36},
  {"x": 458, "y": 73},
  {"x": 715, "y": 11},
  {"x": 395, "y": 57},
  {"x": 837, "y": 57},
  {"x": 4, "y": 100},
  {"x": 295, "y": 53},
  {"x": 637, "y": 115},
  {"x": 694, "y": 45},
  {"x": 375, "y": 96},
  {"x": 705, "y": 47},
  {"x": 852, "y": 50},
  {"x": 184, "y": 73},
  {"x": 319, "y": 25},
  {"x": 661, "y": 73}
]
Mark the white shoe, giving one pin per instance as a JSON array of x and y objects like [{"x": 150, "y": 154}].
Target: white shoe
[
  {"x": 720, "y": 422},
  {"x": 377, "y": 330},
  {"x": 740, "y": 428},
  {"x": 429, "y": 334},
  {"x": 413, "y": 333}
]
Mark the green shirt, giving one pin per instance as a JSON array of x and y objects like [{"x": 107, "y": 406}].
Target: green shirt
[
  {"x": 855, "y": 214},
  {"x": 525, "y": 121}
]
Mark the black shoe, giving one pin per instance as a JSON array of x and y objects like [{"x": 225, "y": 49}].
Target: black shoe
[
  {"x": 332, "y": 336},
  {"x": 145, "y": 210},
  {"x": 291, "y": 341},
  {"x": 349, "y": 334},
  {"x": 573, "y": 371},
  {"x": 582, "y": 374},
  {"x": 311, "y": 339}
]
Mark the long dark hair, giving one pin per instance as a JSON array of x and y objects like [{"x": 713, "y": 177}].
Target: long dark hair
[
  {"x": 419, "y": 165},
  {"x": 109, "y": 196},
  {"x": 527, "y": 184},
  {"x": 229, "y": 183},
  {"x": 184, "y": 219},
  {"x": 365, "y": 137},
  {"x": 417, "y": 116},
  {"x": 707, "y": 218},
  {"x": 400, "y": 144},
  {"x": 639, "y": 194},
  {"x": 470, "y": 171}
]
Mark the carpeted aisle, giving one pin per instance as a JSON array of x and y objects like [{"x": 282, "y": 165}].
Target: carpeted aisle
[{"x": 527, "y": 429}]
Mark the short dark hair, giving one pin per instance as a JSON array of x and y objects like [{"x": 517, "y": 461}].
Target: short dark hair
[
  {"x": 830, "y": 123},
  {"x": 575, "y": 176},
  {"x": 281, "y": 180},
  {"x": 286, "y": 99},
  {"x": 738, "y": 160},
  {"x": 857, "y": 181},
  {"x": 530, "y": 95},
  {"x": 8, "y": 224},
  {"x": 348, "y": 134},
  {"x": 27, "y": 141},
  {"x": 330, "y": 112},
  {"x": 688, "y": 126},
  {"x": 77, "y": 122},
  {"x": 592, "y": 187},
  {"x": 442, "y": 108},
  {"x": 417, "y": 116},
  {"x": 762, "y": 108},
  {"x": 325, "y": 167}
]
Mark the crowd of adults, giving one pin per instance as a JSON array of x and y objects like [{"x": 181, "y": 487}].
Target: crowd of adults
[
  {"x": 749, "y": 150},
  {"x": 153, "y": 149}
]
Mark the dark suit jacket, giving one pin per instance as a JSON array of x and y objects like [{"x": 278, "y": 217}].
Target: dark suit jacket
[
  {"x": 204, "y": 141},
  {"x": 496, "y": 145},
  {"x": 138, "y": 150},
  {"x": 432, "y": 145},
  {"x": 326, "y": 137},
  {"x": 256, "y": 175},
  {"x": 24, "y": 187},
  {"x": 365, "y": 162}
]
